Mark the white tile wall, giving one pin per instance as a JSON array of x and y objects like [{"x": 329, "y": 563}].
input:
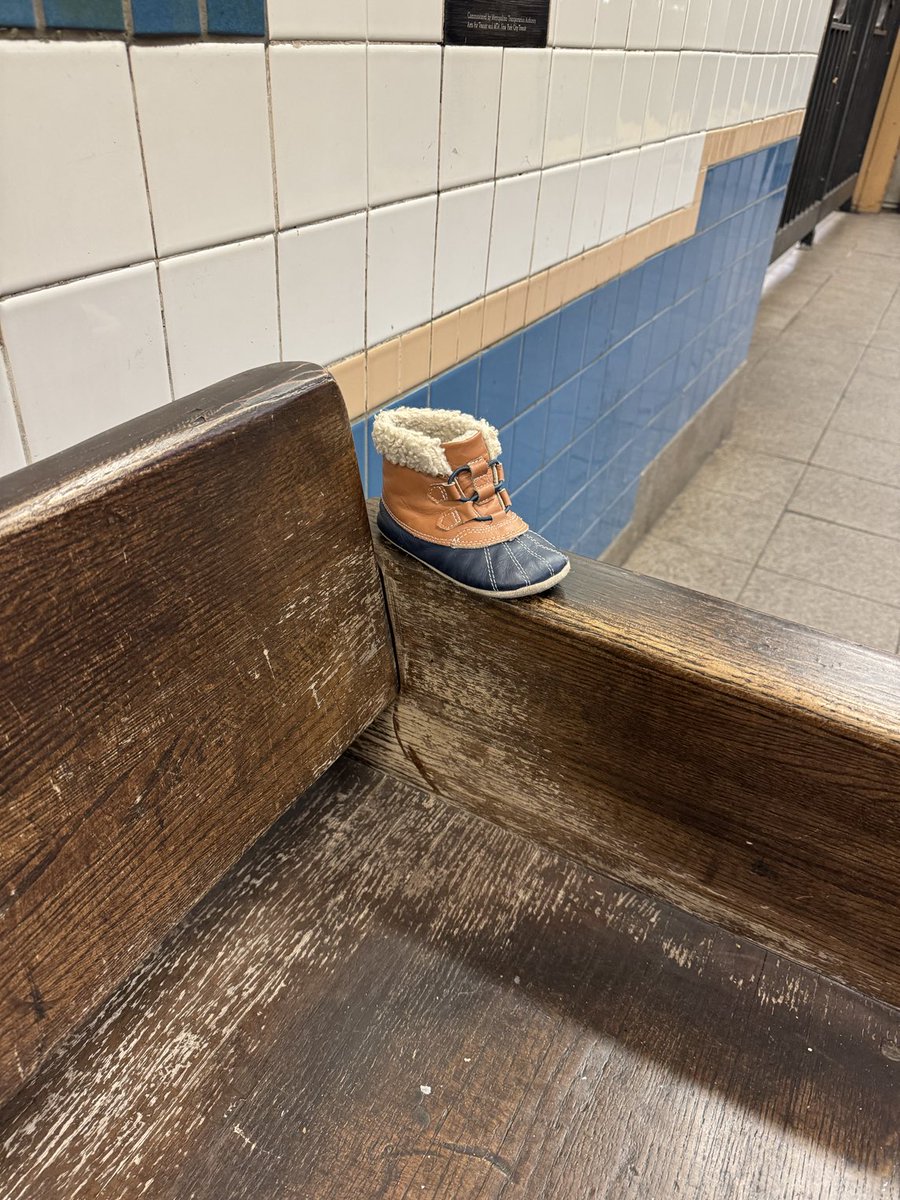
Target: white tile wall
[
  {"x": 72, "y": 198},
  {"x": 611, "y": 29},
  {"x": 673, "y": 16},
  {"x": 622, "y": 170},
  {"x": 470, "y": 102},
  {"x": 600, "y": 122},
  {"x": 221, "y": 312},
  {"x": 554, "y": 215},
  {"x": 646, "y": 181},
  {"x": 660, "y": 97},
  {"x": 402, "y": 21},
  {"x": 319, "y": 127},
  {"x": 12, "y": 455},
  {"x": 86, "y": 356},
  {"x": 569, "y": 76},
  {"x": 572, "y": 22},
  {"x": 667, "y": 189},
  {"x": 684, "y": 93},
  {"x": 400, "y": 276},
  {"x": 463, "y": 237},
  {"x": 687, "y": 185},
  {"x": 512, "y": 229},
  {"x": 323, "y": 312},
  {"x": 395, "y": 178},
  {"x": 696, "y": 20},
  {"x": 590, "y": 199},
  {"x": 204, "y": 123},
  {"x": 329, "y": 20},
  {"x": 633, "y": 100},
  {"x": 523, "y": 110},
  {"x": 716, "y": 23},
  {"x": 643, "y": 24},
  {"x": 404, "y": 103},
  {"x": 706, "y": 83}
]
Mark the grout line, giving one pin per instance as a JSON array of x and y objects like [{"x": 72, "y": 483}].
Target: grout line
[
  {"x": 204, "y": 18},
  {"x": 275, "y": 214},
  {"x": 155, "y": 260},
  {"x": 799, "y": 512},
  {"x": 827, "y": 587},
  {"x": 432, "y": 315},
  {"x": 487, "y": 257},
  {"x": 17, "y": 407}
]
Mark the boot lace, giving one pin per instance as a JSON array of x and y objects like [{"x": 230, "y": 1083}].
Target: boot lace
[{"x": 498, "y": 488}]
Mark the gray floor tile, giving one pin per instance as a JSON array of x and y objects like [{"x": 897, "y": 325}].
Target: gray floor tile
[
  {"x": 774, "y": 433},
  {"x": 801, "y": 378},
  {"x": 887, "y": 335},
  {"x": 798, "y": 354},
  {"x": 878, "y": 361},
  {"x": 769, "y": 392},
  {"x": 873, "y": 263},
  {"x": 858, "y": 332},
  {"x": 735, "y": 526},
  {"x": 862, "y": 621},
  {"x": 870, "y": 408},
  {"x": 836, "y": 557},
  {"x": 691, "y": 568},
  {"x": 744, "y": 472},
  {"x": 848, "y": 500},
  {"x": 865, "y": 457}
]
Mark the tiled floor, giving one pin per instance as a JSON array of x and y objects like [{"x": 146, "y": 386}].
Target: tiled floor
[{"x": 798, "y": 513}]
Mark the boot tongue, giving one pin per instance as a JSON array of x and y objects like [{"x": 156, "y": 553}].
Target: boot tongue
[{"x": 465, "y": 449}]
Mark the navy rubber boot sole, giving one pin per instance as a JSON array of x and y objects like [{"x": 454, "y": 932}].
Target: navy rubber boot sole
[{"x": 525, "y": 566}]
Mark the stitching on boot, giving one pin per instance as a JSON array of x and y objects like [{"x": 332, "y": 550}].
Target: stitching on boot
[
  {"x": 487, "y": 559},
  {"x": 506, "y": 547},
  {"x": 535, "y": 554},
  {"x": 542, "y": 539},
  {"x": 448, "y": 520}
]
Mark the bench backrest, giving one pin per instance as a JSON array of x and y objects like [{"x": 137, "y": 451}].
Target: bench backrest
[{"x": 192, "y": 629}]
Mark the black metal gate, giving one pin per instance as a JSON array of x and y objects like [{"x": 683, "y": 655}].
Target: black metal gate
[{"x": 853, "y": 62}]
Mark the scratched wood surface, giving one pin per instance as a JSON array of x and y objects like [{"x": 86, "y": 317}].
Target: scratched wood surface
[
  {"x": 389, "y": 997},
  {"x": 191, "y": 630},
  {"x": 742, "y": 767}
]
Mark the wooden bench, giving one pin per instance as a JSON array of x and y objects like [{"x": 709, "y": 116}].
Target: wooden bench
[{"x": 505, "y": 945}]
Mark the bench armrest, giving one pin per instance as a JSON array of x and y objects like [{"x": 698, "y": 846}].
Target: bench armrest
[{"x": 739, "y": 766}]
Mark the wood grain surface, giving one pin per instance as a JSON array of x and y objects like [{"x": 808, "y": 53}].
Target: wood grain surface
[
  {"x": 742, "y": 767},
  {"x": 191, "y": 629},
  {"x": 390, "y": 998}
]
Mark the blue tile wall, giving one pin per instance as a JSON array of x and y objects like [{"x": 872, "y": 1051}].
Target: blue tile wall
[
  {"x": 586, "y": 398},
  {"x": 84, "y": 14},
  {"x": 152, "y": 18},
  {"x": 165, "y": 17},
  {"x": 17, "y": 13},
  {"x": 236, "y": 17}
]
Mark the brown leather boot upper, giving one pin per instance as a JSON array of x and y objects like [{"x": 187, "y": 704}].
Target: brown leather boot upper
[{"x": 447, "y": 511}]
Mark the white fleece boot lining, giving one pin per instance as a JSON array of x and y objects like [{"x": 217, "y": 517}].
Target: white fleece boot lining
[{"x": 411, "y": 437}]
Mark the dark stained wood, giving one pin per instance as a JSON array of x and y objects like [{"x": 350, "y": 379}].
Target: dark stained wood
[
  {"x": 741, "y": 767},
  {"x": 191, "y": 629},
  {"x": 390, "y": 998}
]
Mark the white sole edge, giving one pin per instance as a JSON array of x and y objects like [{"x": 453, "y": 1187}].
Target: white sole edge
[{"x": 532, "y": 589}]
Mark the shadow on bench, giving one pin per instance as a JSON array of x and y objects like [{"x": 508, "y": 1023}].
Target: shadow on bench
[{"x": 388, "y": 995}]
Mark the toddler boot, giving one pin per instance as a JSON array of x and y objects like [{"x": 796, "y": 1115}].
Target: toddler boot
[{"x": 444, "y": 501}]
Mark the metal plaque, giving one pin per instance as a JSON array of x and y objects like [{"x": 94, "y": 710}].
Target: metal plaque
[{"x": 496, "y": 22}]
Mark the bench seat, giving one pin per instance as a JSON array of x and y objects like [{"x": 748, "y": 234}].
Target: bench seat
[{"x": 390, "y": 997}]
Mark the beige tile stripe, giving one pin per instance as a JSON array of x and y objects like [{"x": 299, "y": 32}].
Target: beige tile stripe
[{"x": 379, "y": 375}]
